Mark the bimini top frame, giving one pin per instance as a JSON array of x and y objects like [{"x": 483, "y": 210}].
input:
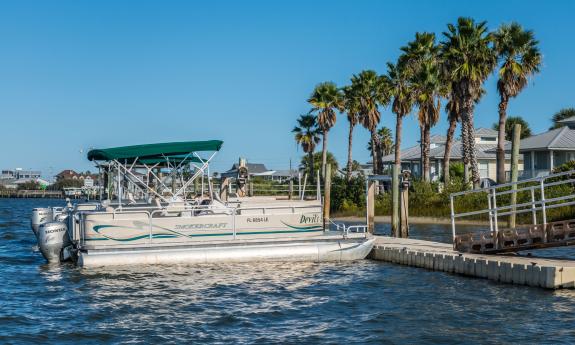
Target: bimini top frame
[{"x": 173, "y": 156}]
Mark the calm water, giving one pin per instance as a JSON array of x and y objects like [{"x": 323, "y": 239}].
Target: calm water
[{"x": 360, "y": 302}]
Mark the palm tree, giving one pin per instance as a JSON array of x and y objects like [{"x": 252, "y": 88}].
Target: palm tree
[
  {"x": 305, "y": 161},
  {"x": 384, "y": 144},
  {"x": 351, "y": 107},
  {"x": 562, "y": 115},
  {"x": 307, "y": 136},
  {"x": 452, "y": 110},
  {"x": 421, "y": 57},
  {"x": 403, "y": 95},
  {"x": 510, "y": 123},
  {"x": 468, "y": 59},
  {"x": 371, "y": 92},
  {"x": 517, "y": 50},
  {"x": 326, "y": 98}
]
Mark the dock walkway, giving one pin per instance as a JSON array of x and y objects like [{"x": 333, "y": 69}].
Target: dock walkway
[{"x": 520, "y": 270}]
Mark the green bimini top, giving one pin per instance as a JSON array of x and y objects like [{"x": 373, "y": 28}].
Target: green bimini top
[
  {"x": 170, "y": 159},
  {"x": 153, "y": 151}
]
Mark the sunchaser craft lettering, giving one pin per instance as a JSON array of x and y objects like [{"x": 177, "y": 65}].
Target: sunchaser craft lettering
[{"x": 207, "y": 226}]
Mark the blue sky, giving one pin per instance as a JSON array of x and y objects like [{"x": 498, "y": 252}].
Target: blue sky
[{"x": 79, "y": 74}]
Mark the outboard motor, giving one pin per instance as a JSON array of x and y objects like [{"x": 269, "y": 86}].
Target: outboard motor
[
  {"x": 41, "y": 216},
  {"x": 52, "y": 238}
]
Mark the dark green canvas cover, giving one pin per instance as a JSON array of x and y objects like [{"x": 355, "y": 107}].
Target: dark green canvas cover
[
  {"x": 171, "y": 159},
  {"x": 149, "y": 151}
]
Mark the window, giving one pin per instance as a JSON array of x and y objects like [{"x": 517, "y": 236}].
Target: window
[
  {"x": 484, "y": 169},
  {"x": 541, "y": 160},
  {"x": 488, "y": 139}
]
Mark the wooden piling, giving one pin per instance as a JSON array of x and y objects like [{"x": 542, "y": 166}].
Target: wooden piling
[
  {"x": 224, "y": 188},
  {"x": 290, "y": 196},
  {"x": 395, "y": 201},
  {"x": 326, "y": 196},
  {"x": 404, "y": 210},
  {"x": 371, "y": 206}
]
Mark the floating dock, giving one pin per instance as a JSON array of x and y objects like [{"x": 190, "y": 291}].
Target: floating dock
[{"x": 513, "y": 269}]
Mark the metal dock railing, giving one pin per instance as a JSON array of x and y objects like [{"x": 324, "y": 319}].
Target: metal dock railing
[{"x": 537, "y": 196}]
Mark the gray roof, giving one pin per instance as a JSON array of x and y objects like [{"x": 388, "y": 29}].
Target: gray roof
[
  {"x": 568, "y": 120},
  {"x": 484, "y": 151},
  {"x": 285, "y": 173},
  {"x": 253, "y": 168},
  {"x": 488, "y": 132},
  {"x": 556, "y": 139},
  {"x": 437, "y": 139}
]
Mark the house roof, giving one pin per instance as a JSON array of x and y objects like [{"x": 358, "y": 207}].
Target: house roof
[
  {"x": 562, "y": 138},
  {"x": 67, "y": 172},
  {"x": 437, "y": 139},
  {"x": 484, "y": 151},
  {"x": 253, "y": 168},
  {"x": 568, "y": 120},
  {"x": 485, "y": 132}
]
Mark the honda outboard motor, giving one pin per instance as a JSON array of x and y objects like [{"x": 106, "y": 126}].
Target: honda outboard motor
[
  {"x": 41, "y": 216},
  {"x": 52, "y": 238}
]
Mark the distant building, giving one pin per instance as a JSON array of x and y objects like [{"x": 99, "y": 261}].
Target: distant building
[
  {"x": 485, "y": 146},
  {"x": 69, "y": 174},
  {"x": 543, "y": 152},
  {"x": 12, "y": 178},
  {"x": 19, "y": 174},
  {"x": 260, "y": 170}
]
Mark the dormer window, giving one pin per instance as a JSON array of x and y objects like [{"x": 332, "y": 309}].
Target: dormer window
[{"x": 490, "y": 139}]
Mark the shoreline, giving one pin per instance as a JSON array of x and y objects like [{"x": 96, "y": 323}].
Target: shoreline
[{"x": 412, "y": 220}]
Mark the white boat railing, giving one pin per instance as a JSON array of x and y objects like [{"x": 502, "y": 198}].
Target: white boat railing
[
  {"x": 538, "y": 203},
  {"x": 152, "y": 214},
  {"x": 346, "y": 229}
]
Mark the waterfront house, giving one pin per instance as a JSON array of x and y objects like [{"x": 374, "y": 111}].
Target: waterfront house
[
  {"x": 485, "y": 144},
  {"x": 545, "y": 151},
  {"x": 70, "y": 174},
  {"x": 260, "y": 170}
]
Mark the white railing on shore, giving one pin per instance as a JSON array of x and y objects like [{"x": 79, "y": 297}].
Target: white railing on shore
[{"x": 538, "y": 202}]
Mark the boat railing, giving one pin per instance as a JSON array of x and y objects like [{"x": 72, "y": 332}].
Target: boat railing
[
  {"x": 152, "y": 215},
  {"x": 535, "y": 195},
  {"x": 346, "y": 229}
]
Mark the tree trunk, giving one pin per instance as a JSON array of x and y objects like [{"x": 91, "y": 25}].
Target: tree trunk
[
  {"x": 501, "y": 139},
  {"x": 374, "y": 155},
  {"x": 448, "y": 145},
  {"x": 310, "y": 162},
  {"x": 349, "y": 143},
  {"x": 426, "y": 149},
  {"x": 395, "y": 179},
  {"x": 324, "y": 153},
  {"x": 398, "y": 141},
  {"x": 465, "y": 146},
  {"x": 422, "y": 151},
  {"x": 475, "y": 177}
]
